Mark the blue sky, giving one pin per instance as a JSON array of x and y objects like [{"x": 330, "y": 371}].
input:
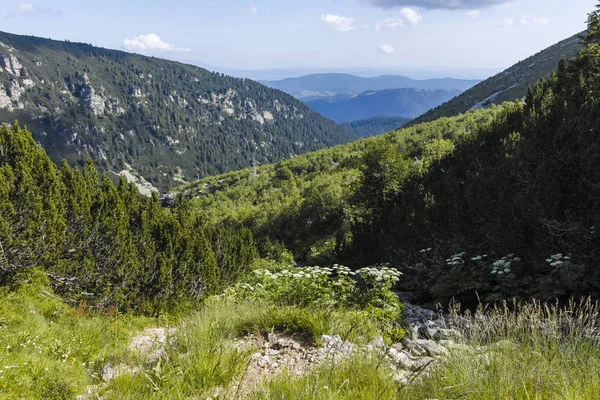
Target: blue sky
[{"x": 264, "y": 34}]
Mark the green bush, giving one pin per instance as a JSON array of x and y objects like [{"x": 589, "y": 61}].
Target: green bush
[{"x": 366, "y": 291}]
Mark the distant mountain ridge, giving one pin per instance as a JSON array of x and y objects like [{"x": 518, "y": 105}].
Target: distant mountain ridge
[
  {"x": 315, "y": 86},
  {"x": 160, "y": 121},
  {"x": 508, "y": 85},
  {"x": 376, "y": 125},
  {"x": 408, "y": 103}
]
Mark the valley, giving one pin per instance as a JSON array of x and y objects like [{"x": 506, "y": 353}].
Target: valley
[{"x": 167, "y": 232}]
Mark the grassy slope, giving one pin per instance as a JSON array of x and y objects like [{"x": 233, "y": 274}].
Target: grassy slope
[{"x": 52, "y": 351}]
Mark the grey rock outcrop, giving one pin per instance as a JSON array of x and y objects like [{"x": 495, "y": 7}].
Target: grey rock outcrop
[
  {"x": 11, "y": 64},
  {"x": 5, "y": 101}
]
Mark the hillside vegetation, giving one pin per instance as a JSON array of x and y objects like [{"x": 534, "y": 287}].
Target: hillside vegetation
[
  {"x": 311, "y": 203},
  {"x": 103, "y": 243},
  {"x": 162, "y": 120},
  {"x": 293, "y": 280},
  {"x": 492, "y": 204},
  {"x": 53, "y": 351},
  {"x": 376, "y": 125}
]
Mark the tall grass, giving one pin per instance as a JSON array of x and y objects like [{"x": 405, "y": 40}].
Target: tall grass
[
  {"x": 52, "y": 351},
  {"x": 519, "y": 351},
  {"x": 204, "y": 360},
  {"x": 525, "y": 351}
]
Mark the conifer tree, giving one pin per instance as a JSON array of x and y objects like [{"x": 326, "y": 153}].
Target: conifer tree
[{"x": 32, "y": 226}]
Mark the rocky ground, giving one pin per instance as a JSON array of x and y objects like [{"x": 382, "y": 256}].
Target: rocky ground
[{"x": 428, "y": 339}]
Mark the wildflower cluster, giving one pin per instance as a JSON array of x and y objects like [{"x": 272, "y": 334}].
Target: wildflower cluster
[
  {"x": 336, "y": 286},
  {"x": 366, "y": 291},
  {"x": 378, "y": 277},
  {"x": 558, "y": 260},
  {"x": 456, "y": 259},
  {"x": 503, "y": 266}
]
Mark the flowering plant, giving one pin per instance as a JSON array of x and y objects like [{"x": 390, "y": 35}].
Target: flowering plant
[{"x": 338, "y": 287}]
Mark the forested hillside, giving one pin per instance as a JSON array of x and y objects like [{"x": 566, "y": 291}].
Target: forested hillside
[
  {"x": 508, "y": 85},
  {"x": 164, "y": 121},
  {"x": 495, "y": 203},
  {"x": 311, "y": 203},
  {"x": 376, "y": 125}
]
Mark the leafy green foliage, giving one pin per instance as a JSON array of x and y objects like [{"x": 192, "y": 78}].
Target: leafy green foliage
[
  {"x": 368, "y": 290},
  {"x": 524, "y": 185}
]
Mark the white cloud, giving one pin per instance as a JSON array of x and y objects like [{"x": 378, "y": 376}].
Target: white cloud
[
  {"x": 473, "y": 13},
  {"x": 31, "y": 10},
  {"x": 508, "y": 22},
  {"x": 339, "y": 23},
  {"x": 26, "y": 7},
  {"x": 411, "y": 16},
  {"x": 389, "y": 23},
  {"x": 538, "y": 21},
  {"x": 251, "y": 9},
  {"x": 150, "y": 43},
  {"x": 385, "y": 49}
]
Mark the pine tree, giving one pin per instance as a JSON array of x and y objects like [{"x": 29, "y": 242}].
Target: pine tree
[
  {"x": 33, "y": 225},
  {"x": 592, "y": 36}
]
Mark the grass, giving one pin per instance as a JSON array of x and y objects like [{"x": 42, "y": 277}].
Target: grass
[
  {"x": 311, "y": 322},
  {"x": 204, "y": 359},
  {"x": 357, "y": 378},
  {"x": 529, "y": 351},
  {"x": 526, "y": 351},
  {"x": 53, "y": 351},
  {"x": 532, "y": 351}
]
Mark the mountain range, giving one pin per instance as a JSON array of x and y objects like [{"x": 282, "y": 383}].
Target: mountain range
[
  {"x": 407, "y": 103},
  {"x": 319, "y": 86},
  {"x": 277, "y": 74},
  {"x": 158, "y": 121}
]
